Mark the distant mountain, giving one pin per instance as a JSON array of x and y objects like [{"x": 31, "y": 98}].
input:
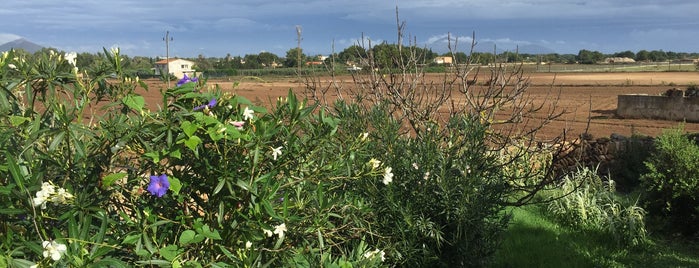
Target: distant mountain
[{"x": 21, "y": 43}]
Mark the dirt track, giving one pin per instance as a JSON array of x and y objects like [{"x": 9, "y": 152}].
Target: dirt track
[{"x": 582, "y": 95}]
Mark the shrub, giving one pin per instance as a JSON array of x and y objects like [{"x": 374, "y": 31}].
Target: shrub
[
  {"x": 629, "y": 164},
  {"x": 589, "y": 203},
  {"x": 93, "y": 175},
  {"x": 442, "y": 206},
  {"x": 672, "y": 182}
]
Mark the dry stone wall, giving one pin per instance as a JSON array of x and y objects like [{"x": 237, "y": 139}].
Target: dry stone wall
[{"x": 600, "y": 153}]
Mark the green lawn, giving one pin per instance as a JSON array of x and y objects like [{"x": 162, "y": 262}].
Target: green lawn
[{"x": 534, "y": 241}]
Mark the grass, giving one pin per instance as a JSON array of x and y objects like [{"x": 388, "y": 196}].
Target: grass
[{"x": 533, "y": 240}]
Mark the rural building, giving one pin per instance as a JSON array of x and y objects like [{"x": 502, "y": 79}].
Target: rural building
[
  {"x": 176, "y": 67},
  {"x": 313, "y": 63},
  {"x": 443, "y": 60},
  {"x": 619, "y": 60}
]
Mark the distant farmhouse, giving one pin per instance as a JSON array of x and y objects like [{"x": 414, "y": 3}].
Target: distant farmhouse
[
  {"x": 443, "y": 60},
  {"x": 619, "y": 60},
  {"x": 176, "y": 67}
]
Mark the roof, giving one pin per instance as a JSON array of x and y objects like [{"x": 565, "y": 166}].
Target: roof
[{"x": 170, "y": 60}]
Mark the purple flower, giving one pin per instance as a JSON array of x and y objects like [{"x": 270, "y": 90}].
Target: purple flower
[
  {"x": 209, "y": 105},
  {"x": 158, "y": 185},
  {"x": 186, "y": 79}
]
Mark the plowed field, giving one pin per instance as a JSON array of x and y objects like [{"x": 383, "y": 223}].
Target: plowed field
[{"x": 583, "y": 96}]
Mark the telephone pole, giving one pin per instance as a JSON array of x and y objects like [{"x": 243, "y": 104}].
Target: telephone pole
[
  {"x": 298, "y": 49},
  {"x": 167, "y": 40}
]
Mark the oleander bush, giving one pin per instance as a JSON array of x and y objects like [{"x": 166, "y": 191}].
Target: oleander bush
[{"x": 92, "y": 175}]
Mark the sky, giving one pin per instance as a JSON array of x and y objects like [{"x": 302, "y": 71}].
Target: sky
[{"x": 238, "y": 27}]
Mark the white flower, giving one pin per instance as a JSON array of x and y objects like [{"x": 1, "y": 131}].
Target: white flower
[
  {"x": 365, "y": 135},
  {"x": 12, "y": 66},
  {"x": 40, "y": 201},
  {"x": 53, "y": 249},
  {"x": 50, "y": 192},
  {"x": 279, "y": 230},
  {"x": 387, "y": 176},
  {"x": 70, "y": 58},
  {"x": 248, "y": 245},
  {"x": 374, "y": 163},
  {"x": 43, "y": 195},
  {"x": 114, "y": 49},
  {"x": 61, "y": 196},
  {"x": 427, "y": 175},
  {"x": 415, "y": 166},
  {"x": 276, "y": 152},
  {"x": 268, "y": 233},
  {"x": 248, "y": 114},
  {"x": 371, "y": 254}
]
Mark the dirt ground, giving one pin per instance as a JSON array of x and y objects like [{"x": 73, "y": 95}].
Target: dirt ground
[{"x": 583, "y": 96}]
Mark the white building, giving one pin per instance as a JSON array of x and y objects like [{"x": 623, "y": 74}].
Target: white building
[{"x": 176, "y": 67}]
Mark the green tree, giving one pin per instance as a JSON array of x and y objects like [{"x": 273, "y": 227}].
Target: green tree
[
  {"x": 354, "y": 53},
  {"x": 293, "y": 56},
  {"x": 625, "y": 54},
  {"x": 267, "y": 58},
  {"x": 589, "y": 57},
  {"x": 482, "y": 58},
  {"x": 658, "y": 55},
  {"x": 643, "y": 55}
]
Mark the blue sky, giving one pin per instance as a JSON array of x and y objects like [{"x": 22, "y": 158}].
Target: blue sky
[{"x": 216, "y": 28}]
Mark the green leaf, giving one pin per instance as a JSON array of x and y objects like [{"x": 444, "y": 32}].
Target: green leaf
[
  {"x": 175, "y": 185},
  {"x": 170, "y": 252},
  {"x": 219, "y": 186},
  {"x": 110, "y": 262},
  {"x": 208, "y": 233},
  {"x": 153, "y": 156},
  {"x": 189, "y": 128},
  {"x": 108, "y": 180},
  {"x": 17, "y": 120},
  {"x": 176, "y": 154},
  {"x": 15, "y": 171},
  {"x": 131, "y": 239},
  {"x": 134, "y": 102},
  {"x": 186, "y": 237},
  {"x": 192, "y": 143}
]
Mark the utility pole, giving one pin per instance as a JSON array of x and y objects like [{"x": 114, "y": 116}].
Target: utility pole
[
  {"x": 298, "y": 49},
  {"x": 167, "y": 40}
]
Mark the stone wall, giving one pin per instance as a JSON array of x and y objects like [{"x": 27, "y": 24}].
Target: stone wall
[
  {"x": 671, "y": 106},
  {"x": 600, "y": 153}
]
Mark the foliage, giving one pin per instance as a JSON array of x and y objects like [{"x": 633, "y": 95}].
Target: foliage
[
  {"x": 535, "y": 240},
  {"x": 442, "y": 207},
  {"x": 629, "y": 162},
  {"x": 672, "y": 182},
  {"x": 591, "y": 206},
  {"x": 234, "y": 174},
  {"x": 94, "y": 175}
]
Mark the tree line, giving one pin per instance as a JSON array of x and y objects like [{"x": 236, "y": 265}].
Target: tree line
[{"x": 384, "y": 55}]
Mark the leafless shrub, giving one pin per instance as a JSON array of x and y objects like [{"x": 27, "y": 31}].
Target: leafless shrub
[{"x": 494, "y": 94}]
